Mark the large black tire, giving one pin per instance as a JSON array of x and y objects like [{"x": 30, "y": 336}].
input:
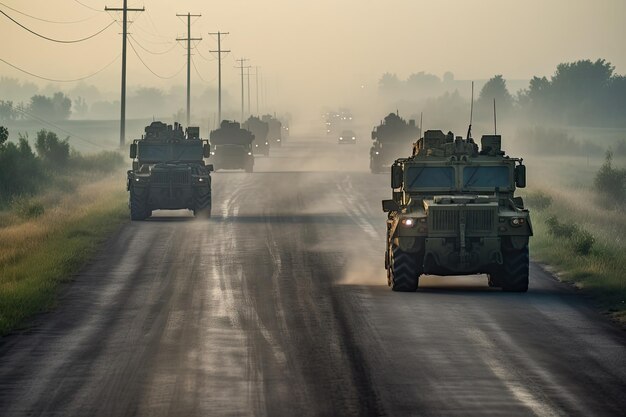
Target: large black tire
[
  {"x": 404, "y": 270},
  {"x": 138, "y": 206},
  {"x": 202, "y": 203},
  {"x": 515, "y": 270}
]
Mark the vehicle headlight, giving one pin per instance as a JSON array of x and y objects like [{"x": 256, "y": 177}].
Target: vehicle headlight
[
  {"x": 408, "y": 222},
  {"x": 212, "y": 153},
  {"x": 266, "y": 143},
  {"x": 353, "y": 138},
  {"x": 377, "y": 153},
  {"x": 277, "y": 140},
  {"x": 200, "y": 179},
  {"x": 517, "y": 221},
  {"x": 137, "y": 179},
  {"x": 256, "y": 146},
  {"x": 249, "y": 153}
]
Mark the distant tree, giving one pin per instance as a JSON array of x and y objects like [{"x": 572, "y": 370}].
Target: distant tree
[
  {"x": 4, "y": 135},
  {"x": 51, "y": 149},
  {"x": 496, "y": 89},
  {"x": 423, "y": 84},
  {"x": 389, "y": 83},
  {"x": 7, "y": 111},
  {"x": 80, "y": 107},
  {"x": 57, "y": 107}
]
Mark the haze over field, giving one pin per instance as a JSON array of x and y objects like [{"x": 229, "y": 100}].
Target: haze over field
[{"x": 317, "y": 53}]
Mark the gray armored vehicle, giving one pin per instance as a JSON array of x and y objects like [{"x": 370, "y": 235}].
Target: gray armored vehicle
[
  {"x": 454, "y": 212},
  {"x": 260, "y": 130},
  {"x": 169, "y": 171},
  {"x": 347, "y": 137},
  {"x": 275, "y": 134},
  {"x": 392, "y": 139},
  {"x": 231, "y": 147}
]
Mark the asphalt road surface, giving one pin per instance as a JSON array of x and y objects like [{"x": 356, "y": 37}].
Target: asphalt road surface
[{"x": 278, "y": 306}]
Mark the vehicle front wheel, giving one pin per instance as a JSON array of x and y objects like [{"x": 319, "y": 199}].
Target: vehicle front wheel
[
  {"x": 138, "y": 206},
  {"x": 404, "y": 270},
  {"x": 515, "y": 270}
]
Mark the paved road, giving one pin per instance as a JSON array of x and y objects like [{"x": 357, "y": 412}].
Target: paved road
[{"x": 278, "y": 306}]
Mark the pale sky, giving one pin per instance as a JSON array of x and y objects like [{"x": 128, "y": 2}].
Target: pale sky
[{"x": 319, "y": 49}]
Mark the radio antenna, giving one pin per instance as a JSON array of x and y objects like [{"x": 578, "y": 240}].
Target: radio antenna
[
  {"x": 495, "y": 120},
  {"x": 469, "y": 130},
  {"x": 421, "y": 125}
]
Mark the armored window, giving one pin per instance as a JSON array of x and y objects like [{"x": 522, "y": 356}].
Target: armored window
[
  {"x": 486, "y": 177},
  {"x": 430, "y": 177}
]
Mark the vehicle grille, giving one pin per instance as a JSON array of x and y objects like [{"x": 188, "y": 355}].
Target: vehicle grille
[
  {"x": 448, "y": 220},
  {"x": 171, "y": 177},
  {"x": 479, "y": 220},
  {"x": 445, "y": 220}
]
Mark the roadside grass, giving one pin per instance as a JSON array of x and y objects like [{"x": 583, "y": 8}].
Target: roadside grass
[
  {"x": 563, "y": 190},
  {"x": 39, "y": 252}
]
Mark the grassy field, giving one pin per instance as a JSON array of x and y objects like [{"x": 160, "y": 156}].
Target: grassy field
[
  {"x": 568, "y": 182},
  {"x": 36, "y": 254}
]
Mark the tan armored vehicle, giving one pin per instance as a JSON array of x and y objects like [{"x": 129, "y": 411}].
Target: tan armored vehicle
[{"x": 454, "y": 212}]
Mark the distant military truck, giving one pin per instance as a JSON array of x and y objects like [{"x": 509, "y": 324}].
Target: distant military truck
[
  {"x": 231, "y": 147},
  {"x": 454, "y": 212},
  {"x": 392, "y": 139},
  {"x": 347, "y": 137},
  {"x": 275, "y": 133},
  {"x": 260, "y": 130},
  {"x": 168, "y": 171}
]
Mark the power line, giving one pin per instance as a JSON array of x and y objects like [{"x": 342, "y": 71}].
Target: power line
[
  {"x": 193, "y": 63},
  {"x": 57, "y": 80},
  {"x": 39, "y": 119},
  {"x": 150, "y": 69},
  {"x": 152, "y": 52},
  {"x": 57, "y": 40},
  {"x": 46, "y": 20},
  {"x": 89, "y": 7}
]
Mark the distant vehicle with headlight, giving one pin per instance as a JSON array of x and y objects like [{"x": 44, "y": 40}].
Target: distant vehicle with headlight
[
  {"x": 347, "y": 137},
  {"x": 275, "y": 130},
  {"x": 392, "y": 139},
  {"x": 454, "y": 212},
  {"x": 168, "y": 171},
  {"x": 260, "y": 130},
  {"x": 231, "y": 147}
]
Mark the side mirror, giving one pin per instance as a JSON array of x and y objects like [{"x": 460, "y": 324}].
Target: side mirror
[
  {"x": 374, "y": 135},
  {"x": 390, "y": 205},
  {"x": 133, "y": 150},
  {"x": 206, "y": 150},
  {"x": 210, "y": 168},
  {"x": 396, "y": 176},
  {"x": 520, "y": 176}
]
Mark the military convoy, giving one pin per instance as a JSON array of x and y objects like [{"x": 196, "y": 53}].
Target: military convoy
[
  {"x": 275, "y": 132},
  {"x": 168, "y": 171},
  {"x": 391, "y": 139},
  {"x": 454, "y": 212},
  {"x": 231, "y": 147},
  {"x": 260, "y": 129}
]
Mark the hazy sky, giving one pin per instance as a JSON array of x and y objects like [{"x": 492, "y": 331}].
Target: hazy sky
[{"x": 312, "y": 50}]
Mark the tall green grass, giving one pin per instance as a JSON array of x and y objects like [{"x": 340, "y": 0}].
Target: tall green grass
[{"x": 39, "y": 253}]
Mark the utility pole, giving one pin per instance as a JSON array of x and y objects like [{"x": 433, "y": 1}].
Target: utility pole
[
  {"x": 124, "y": 9},
  {"x": 219, "y": 72},
  {"x": 189, "y": 39},
  {"x": 249, "y": 114},
  {"x": 242, "y": 67},
  {"x": 256, "y": 74}
]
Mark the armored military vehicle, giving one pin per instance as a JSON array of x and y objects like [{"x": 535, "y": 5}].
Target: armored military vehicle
[
  {"x": 392, "y": 139},
  {"x": 454, "y": 212},
  {"x": 347, "y": 137},
  {"x": 169, "y": 172},
  {"x": 231, "y": 147},
  {"x": 275, "y": 130},
  {"x": 260, "y": 130}
]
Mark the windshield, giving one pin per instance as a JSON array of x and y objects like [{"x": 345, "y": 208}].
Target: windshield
[
  {"x": 430, "y": 177},
  {"x": 486, "y": 176}
]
